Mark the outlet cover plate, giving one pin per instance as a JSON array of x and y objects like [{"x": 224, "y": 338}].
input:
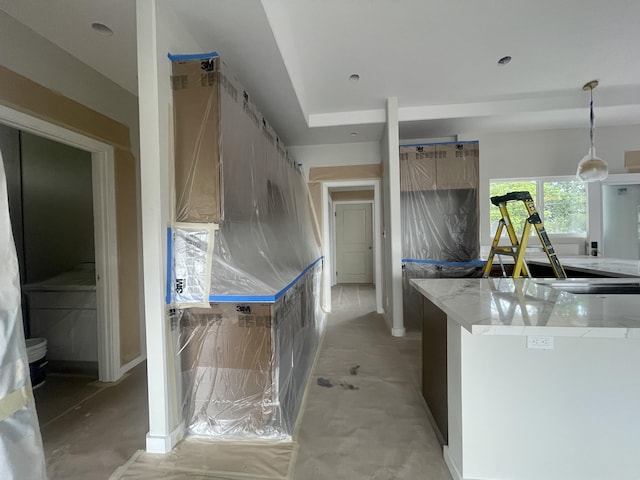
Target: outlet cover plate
[{"x": 540, "y": 342}]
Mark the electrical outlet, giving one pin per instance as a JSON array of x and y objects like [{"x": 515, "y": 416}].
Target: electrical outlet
[{"x": 545, "y": 343}]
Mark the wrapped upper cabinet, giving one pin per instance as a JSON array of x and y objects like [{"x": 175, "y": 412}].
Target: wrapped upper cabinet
[
  {"x": 197, "y": 99},
  {"x": 439, "y": 166}
]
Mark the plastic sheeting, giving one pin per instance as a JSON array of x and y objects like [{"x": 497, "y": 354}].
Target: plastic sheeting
[
  {"x": 246, "y": 280},
  {"x": 439, "y": 202},
  {"x": 21, "y": 452},
  {"x": 439, "y": 205},
  {"x": 245, "y": 365},
  {"x": 266, "y": 238}
]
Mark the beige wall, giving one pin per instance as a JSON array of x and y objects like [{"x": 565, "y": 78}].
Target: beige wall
[
  {"x": 21, "y": 94},
  {"x": 315, "y": 190},
  {"x": 318, "y": 175},
  {"x": 29, "y": 54},
  {"x": 349, "y": 172},
  {"x": 128, "y": 274},
  {"x": 352, "y": 195}
]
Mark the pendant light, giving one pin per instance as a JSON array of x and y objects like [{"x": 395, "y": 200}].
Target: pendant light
[{"x": 591, "y": 168}]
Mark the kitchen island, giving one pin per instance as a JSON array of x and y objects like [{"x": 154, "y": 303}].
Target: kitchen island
[{"x": 538, "y": 383}]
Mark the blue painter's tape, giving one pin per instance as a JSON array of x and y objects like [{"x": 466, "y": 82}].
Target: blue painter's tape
[
  {"x": 439, "y": 143},
  {"x": 473, "y": 263},
  {"x": 295, "y": 280},
  {"x": 169, "y": 262},
  {"x": 262, "y": 298},
  {"x": 192, "y": 56},
  {"x": 242, "y": 298}
]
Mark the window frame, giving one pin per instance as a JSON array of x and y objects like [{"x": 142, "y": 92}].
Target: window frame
[{"x": 539, "y": 202}]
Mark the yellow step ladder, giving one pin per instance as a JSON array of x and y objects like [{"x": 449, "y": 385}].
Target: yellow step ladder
[{"x": 517, "y": 248}]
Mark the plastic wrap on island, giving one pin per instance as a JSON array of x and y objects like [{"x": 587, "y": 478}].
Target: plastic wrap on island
[
  {"x": 244, "y": 262},
  {"x": 21, "y": 452}
]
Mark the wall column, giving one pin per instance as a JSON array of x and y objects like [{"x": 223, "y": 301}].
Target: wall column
[
  {"x": 163, "y": 434},
  {"x": 392, "y": 221}
]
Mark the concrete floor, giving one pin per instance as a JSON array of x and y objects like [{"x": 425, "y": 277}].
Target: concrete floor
[{"x": 378, "y": 429}]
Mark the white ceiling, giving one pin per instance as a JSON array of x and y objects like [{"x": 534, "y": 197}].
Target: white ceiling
[{"x": 439, "y": 58}]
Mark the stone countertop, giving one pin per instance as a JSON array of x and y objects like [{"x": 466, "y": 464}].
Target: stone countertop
[
  {"x": 530, "y": 306},
  {"x": 615, "y": 267}
]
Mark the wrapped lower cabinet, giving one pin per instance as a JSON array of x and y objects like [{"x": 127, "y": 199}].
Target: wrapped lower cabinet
[{"x": 244, "y": 365}]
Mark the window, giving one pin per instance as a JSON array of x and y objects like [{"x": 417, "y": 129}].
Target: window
[{"x": 561, "y": 202}]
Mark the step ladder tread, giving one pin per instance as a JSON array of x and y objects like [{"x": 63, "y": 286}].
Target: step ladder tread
[
  {"x": 507, "y": 253},
  {"x": 504, "y": 248},
  {"x": 518, "y": 248}
]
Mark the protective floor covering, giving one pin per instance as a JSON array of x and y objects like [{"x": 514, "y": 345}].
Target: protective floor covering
[
  {"x": 99, "y": 432},
  {"x": 61, "y": 393},
  {"x": 203, "y": 459},
  {"x": 379, "y": 429},
  {"x": 363, "y": 418}
]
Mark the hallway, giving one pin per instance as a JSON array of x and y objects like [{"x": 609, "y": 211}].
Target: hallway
[
  {"x": 368, "y": 425},
  {"x": 381, "y": 430}
]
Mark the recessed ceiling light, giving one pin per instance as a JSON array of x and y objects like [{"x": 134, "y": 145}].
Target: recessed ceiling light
[
  {"x": 354, "y": 77},
  {"x": 102, "y": 29},
  {"x": 504, "y": 60},
  {"x": 353, "y": 134}
]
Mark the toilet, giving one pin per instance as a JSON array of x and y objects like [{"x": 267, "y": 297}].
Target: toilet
[{"x": 37, "y": 356}]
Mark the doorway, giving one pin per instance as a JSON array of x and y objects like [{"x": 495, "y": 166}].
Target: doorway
[
  {"x": 621, "y": 220},
  {"x": 334, "y": 192},
  {"x": 354, "y": 242},
  {"x": 54, "y": 230},
  {"x": 104, "y": 229}
]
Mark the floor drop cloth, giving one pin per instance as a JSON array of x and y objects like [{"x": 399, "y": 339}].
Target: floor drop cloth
[{"x": 372, "y": 425}]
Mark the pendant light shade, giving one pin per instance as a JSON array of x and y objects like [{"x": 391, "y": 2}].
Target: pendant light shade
[{"x": 592, "y": 168}]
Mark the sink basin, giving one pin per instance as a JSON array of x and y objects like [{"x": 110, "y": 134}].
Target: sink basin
[{"x": 611, "y": 288}]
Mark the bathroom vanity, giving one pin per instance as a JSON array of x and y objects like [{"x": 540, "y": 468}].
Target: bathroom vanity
[{"x": 63, "y": 309}]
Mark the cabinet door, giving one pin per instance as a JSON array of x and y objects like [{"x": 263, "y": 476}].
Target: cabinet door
[
  {"x": 417, "y": 168},
  {"x": 456, "y": 166}
]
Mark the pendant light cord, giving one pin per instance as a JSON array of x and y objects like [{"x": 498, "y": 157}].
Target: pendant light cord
[{"x": 592, "y": 118}]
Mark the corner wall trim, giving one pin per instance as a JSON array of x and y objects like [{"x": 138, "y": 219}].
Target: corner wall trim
[{"x": 106, "y": 258}]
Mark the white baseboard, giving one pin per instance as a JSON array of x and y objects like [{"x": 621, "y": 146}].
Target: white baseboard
[
  {"x": 133, "y": 363},
  {"x": 164, "y": 443},
  {"x": 453, "y": 469},
  {"x": 398, "y": 332}
]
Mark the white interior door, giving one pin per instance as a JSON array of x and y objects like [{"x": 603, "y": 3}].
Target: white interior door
[{"x": 354, "y": 243}]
